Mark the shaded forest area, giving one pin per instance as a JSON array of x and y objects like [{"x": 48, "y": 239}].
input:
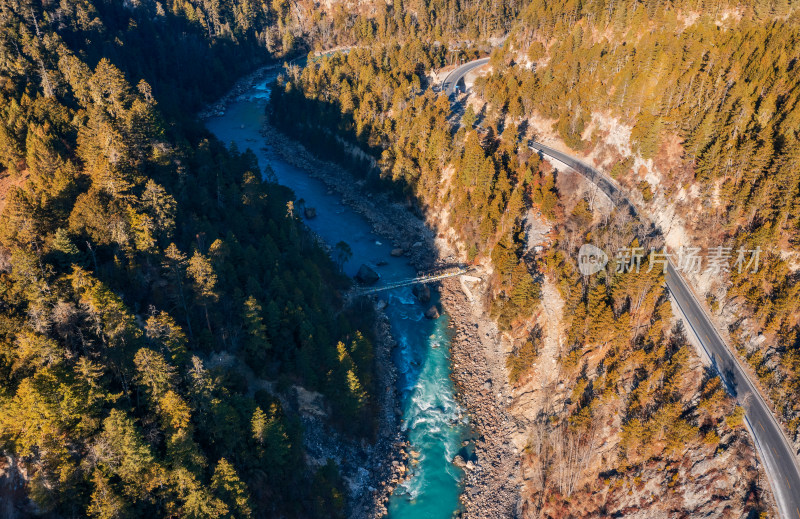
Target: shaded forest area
[
  {"x": 137, "y": 254},
  {"x": 372, "y": 99}
]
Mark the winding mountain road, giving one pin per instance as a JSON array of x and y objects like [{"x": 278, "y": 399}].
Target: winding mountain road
[
  {"x": 451, "y": 81},
  {"x": 774, "y": 449}
]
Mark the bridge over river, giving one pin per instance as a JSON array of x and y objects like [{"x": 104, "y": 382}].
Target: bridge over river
[{"x": 419, "y": 280}]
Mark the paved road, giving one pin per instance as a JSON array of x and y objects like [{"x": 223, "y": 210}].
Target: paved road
[
  {"x": 775, "y": 452},
  {"x": 780, "y": 462},
  {"x": 451, "y": 81},
  {"x": 605, "y": 184},
  {"x": 774, "y": 449}
]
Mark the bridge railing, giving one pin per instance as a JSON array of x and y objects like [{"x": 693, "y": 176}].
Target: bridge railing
[{"x": 428, "y": 278}]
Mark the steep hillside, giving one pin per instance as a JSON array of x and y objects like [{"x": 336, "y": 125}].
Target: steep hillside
[
  {"x": 687, "y": 117},
  {"x": 153, "y": 281}
]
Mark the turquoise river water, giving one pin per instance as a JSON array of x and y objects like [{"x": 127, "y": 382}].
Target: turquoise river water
[{"x": 435, "y": 424}]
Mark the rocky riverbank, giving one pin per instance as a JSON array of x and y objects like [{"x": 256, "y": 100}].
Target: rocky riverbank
[
  {"x": 491, "y": 488},
  {"x": 392, "y": 220},
  {"x": 217, "y": 108},
  {"x": 371, "y": 471},
  {"x": 492, "y": 479}
]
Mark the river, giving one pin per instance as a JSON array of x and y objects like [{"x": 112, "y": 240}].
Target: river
[{"x": 435, "y": 424}]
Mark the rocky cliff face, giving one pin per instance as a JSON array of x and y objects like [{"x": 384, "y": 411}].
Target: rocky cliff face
[
  {"x": 573, "y": 467},
  {"x": 664, "y": 188},
  {"x": 579, "y": 474}
]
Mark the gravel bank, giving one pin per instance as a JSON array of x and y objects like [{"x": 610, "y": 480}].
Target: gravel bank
[{"x": 491, "y": 490}]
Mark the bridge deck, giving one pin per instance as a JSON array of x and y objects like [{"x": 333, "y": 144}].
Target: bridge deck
[{"x": 413, "y": 281}]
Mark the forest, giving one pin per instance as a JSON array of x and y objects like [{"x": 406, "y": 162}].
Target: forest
[
  {"x": 629, "y": 369},
  {"x": 134, "y": 346},
  {"x": 703, "y": 80}
]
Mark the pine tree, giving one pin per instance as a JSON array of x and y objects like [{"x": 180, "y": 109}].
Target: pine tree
[
  {"x": 164, "y": 334},
  {"x": 256, "y": 344},
  {"x": 106, "y": 503},
  {"x": 469, "y": 117},
  {"x": 204, "y": 282},
  {"x": 227, "y": 486},
  {"x": 153, "y": 373}
]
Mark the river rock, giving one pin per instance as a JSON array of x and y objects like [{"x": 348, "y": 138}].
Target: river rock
[
  {"x": 422, "y": 293},
  {"x": 432, "y": 313},
  {"x": 310, "y": 212},
  {"x": 397, "y": 252},
  {"x": 366, "y": 275}
]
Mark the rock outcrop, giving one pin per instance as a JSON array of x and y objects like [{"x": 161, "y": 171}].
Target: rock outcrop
[
  {"x": 367, "y": 276},
  {"x": 422, "y": 293},
  {"x": 432, "y": 312}
]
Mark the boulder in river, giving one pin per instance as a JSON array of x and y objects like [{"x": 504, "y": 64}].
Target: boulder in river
[
  {"x": 310, "y": 212},
  {"x": 422, "y": 293},
  {"x": 432, "y": 313},
  {"x": 397, "y": 252},
  {"x": 366, "y": 275}
]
